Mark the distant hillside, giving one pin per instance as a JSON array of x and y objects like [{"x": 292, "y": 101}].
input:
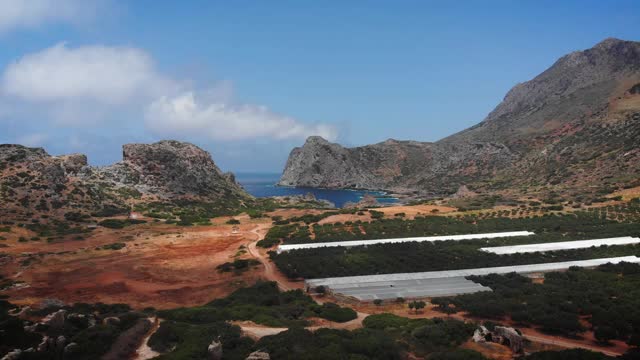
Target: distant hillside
[
  {"x": 575, "y": 127},
  {"x": 32, "y": 181}
]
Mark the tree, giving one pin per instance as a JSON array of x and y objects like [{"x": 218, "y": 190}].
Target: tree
[
  {"x": 604, "y": 334},
  {"x": 412, "y": 305},
  {"x": 377, "y": 302}
]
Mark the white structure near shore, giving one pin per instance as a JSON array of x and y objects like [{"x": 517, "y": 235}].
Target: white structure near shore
[
  {"x": 289, "y": 247},
  {"x": 558, "y": 246}
]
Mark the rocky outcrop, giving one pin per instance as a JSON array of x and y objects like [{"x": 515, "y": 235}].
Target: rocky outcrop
[
  {"x": 32, "y": 181},
  {"x": 572, "y": 126},
  {"x": 214, "y": 350},
  {"x": 501, "y": 335},
  {"x": 171, "y": 169},
  {"x": 393, "y": 165}
]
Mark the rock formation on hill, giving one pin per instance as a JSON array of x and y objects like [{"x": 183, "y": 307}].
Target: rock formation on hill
[
  {"x": 33, "y": 181},
  {"x": 170, "y": 169},
  {"x": 575, "y": 126}
]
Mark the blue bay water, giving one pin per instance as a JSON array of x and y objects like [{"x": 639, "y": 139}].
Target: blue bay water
[{"x": 263, "y": 185}]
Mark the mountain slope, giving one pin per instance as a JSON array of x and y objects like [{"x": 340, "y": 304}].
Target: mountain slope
[
  {"x": 575, "y": 125},
  {"x": 32, "y": 181}
]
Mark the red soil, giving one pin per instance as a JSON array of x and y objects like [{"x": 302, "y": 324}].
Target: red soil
[{"x": 161, "y": 266}]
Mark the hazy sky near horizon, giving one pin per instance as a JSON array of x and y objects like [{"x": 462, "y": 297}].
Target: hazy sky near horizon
[{"x": 249, "y": 80}]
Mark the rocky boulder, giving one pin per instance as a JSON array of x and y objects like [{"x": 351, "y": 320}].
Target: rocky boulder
[
  {"x": 173, "y": 169},
  {"x": 214, "y": 350}
]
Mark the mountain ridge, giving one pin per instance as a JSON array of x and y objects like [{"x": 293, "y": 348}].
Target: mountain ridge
[{"x": 546, "y": 132}]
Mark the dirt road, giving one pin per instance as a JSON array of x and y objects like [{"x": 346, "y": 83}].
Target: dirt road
[
  {"x": 144, "y": 352},
  {"x": 567, "y": 343},
  {"x": 270, "y": 272}
]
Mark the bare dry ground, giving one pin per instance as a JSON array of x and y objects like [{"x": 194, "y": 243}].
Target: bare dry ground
[
  {"x": 416, "y": 210},
  {"x": 163, "y": 266}
]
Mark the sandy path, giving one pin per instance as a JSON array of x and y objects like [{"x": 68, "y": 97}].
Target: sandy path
[
  {"x": 144, "y": 352},
  {"x": 534, "y": 336},
  {"x": 257, "y": 331},
  {"x": 270, "y": 271}
]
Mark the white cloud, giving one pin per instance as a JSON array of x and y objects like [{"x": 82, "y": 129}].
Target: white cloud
[
  {"x": 112, "y": 75},
  {"x": 16, "y": 14},
  {"x": 88, "y": 85},
  {"x": 187, "y": 114}
]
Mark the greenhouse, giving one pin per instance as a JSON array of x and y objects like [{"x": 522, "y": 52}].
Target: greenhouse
[
  {"x": 557, "y": 246},
  {"x": 438, "y": 283},
  {"x": 290, "y": 247}
]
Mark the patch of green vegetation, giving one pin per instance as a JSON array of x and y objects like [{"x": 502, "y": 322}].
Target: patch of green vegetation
[
  {"x": 262, "y": 303},
  {"x": 608, "y": 296},
  {"x": 110, "y": 210},
  {"x": 333, "y": 312},
  {"x": 238, "y": 265},
  {"x": 189, "y": 212},
  {"x": 297, "y": 343},
  {"x": 119, "y": 223},
  {"x": 181, "y": 340},
  {"x": 129, "y": 193},
  {"x": 113, "y": 246},
  {"x": 424, "y": 335},
  {"x": 76, "y": 216},
  {"x": 478, "y": 202},
  {"x": 291, "y": 233},
  {"x": 56, "y": 228}
]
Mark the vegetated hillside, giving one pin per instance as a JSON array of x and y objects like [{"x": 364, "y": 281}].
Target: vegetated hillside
[
  {"x": 33, "y": 182},
  {"x": 575, "y": 126}
]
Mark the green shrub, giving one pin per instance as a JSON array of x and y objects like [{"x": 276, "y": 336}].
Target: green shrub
[{"x": 119, "y": 224}]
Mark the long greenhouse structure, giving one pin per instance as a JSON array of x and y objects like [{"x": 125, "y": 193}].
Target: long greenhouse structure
[
  {"x": 558, "y": 246},
  {"x": 438, "y": 283},
  {"x": 283, "y": 248}
]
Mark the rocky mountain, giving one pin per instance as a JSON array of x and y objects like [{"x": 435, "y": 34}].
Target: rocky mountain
[
  {"x": 575, "y": 126},
  {"x": 33, "y": 181}
]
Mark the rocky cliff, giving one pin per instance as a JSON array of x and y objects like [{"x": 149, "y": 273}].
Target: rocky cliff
[
  {"x": 33, "y": 181},
  {"x": 393, "y": 165},
  {"x": 576, "y": 125}
]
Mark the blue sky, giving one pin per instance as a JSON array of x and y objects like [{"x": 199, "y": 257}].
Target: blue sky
[{"x": 248, "y": 80}]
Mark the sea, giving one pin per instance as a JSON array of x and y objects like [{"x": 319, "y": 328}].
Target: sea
[{"x": 264, "y": 185}]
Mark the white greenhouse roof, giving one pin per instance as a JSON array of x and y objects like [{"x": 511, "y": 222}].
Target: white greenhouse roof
[
  {"x": 409, "y": 288},
  {"x": 532, "y": 268},
  {"x": 289, "y": 247},
  {"x": 556, "y": 246}
]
